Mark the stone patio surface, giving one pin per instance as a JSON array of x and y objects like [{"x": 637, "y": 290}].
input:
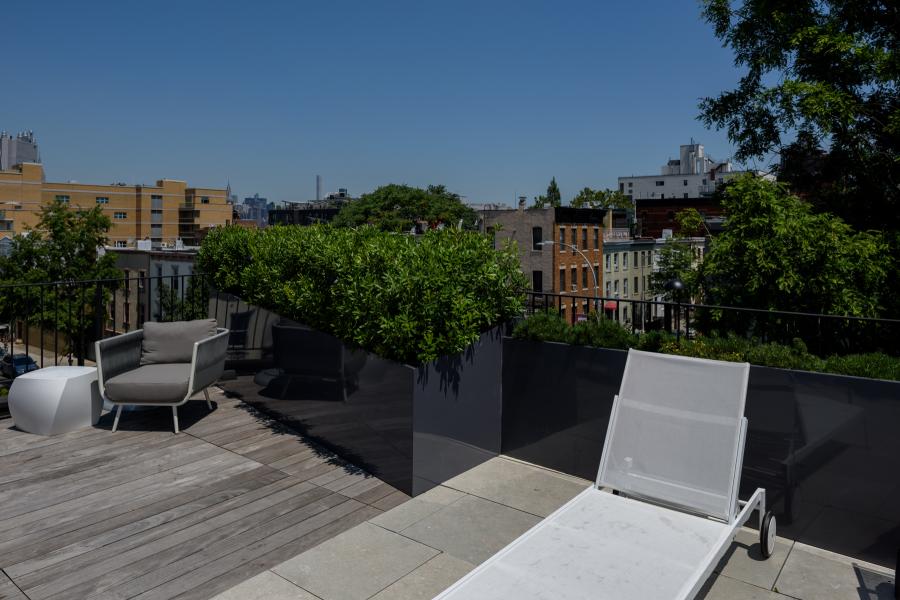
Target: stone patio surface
[{"x": 419, "y": 548}]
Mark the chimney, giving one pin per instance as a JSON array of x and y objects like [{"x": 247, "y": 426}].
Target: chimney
[{"x": 522, "y": 200}]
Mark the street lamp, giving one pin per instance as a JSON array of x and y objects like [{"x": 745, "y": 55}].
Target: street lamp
[
  {"x": 676, "y": 286},
  {"x": 590, "y": 266}
]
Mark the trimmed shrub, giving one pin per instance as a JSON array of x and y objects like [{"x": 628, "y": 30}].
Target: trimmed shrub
[
  {"x": 546, "y": 326},
  {"x": 874, "y": 366},
  {"x": 604, "y": 333},
  {"x": 609, "y": 334},
  {"x": 404, "y": 298}
]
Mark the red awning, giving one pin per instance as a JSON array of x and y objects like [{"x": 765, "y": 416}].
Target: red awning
[{"x": 610, "y": 305}]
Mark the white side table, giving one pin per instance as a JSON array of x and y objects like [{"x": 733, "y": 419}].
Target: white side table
[{"x": 55, "y": 400}]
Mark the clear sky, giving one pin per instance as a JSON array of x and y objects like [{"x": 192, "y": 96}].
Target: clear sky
[{"x": 490, "y": 98}]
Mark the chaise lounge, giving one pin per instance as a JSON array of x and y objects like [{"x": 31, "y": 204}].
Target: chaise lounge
[{"x": 163, "y": 364}]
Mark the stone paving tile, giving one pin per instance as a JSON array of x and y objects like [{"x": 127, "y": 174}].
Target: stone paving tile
[
  {"x": 428, "y": 580},
  {"x": 471, "y": 529},
  {"x": 418, "y": 508},
  {"x": 519, "y": 485},
  {"x": 744, "y": 562},
  {"x": 356, "y": 564},
  {"x": 726, "y": 588},
  {"x": 265, "y": 586},
  {"x": 811, "y": 573}
]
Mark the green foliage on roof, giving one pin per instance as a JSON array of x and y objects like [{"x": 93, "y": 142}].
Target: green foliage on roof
[{"x": 405, "y": 298}]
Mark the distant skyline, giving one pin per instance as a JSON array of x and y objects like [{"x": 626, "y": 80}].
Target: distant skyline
[{"x": 491, "y": 99}]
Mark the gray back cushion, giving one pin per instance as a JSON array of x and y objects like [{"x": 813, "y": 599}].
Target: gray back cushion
[{"x": 173, "y": 342}]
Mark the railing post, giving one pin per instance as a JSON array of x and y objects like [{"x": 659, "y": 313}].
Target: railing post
[{"x": 98, "y": 311}]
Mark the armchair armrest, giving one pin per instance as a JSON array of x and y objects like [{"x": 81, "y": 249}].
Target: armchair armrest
[
  {"x": 117, "y": 355},
  {"x": 208, "y": 361}
]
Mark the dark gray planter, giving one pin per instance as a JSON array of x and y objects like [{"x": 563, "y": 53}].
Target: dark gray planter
[
  {"x": 826, "y": 447},
  {"x": 413, "y": 427}
]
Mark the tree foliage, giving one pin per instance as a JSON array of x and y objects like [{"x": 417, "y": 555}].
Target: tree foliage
[
  {"x": 826, "y": 74},
  {"x": 553, "y": 198},
  {"x": 676, "y": 259},
  {"x": 776, "y": 253},
  {"x": 64, "y": 247},
  {"x": 609, "y": 199},
  {"x": 401, "y": 207}
]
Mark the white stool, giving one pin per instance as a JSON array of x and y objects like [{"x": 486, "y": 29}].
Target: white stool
[{"x": 55, "y": 400}]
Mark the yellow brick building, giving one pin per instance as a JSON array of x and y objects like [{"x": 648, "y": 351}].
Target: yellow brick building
[{"x": 162, "y": 214}]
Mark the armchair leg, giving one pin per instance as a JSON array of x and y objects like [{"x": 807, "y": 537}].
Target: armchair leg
[
  {"x": 116, "y": 420},
  {"x": 175, "y": 417},
  {"x": 206, "y": 393}
]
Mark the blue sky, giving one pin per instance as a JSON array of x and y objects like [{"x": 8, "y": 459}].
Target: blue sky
[{"x": 490, "y": 98}]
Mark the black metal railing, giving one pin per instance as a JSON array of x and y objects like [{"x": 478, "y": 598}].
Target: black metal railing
[
  {"x": 822, "y": 334},
  {"x": 64, "y": 318}
]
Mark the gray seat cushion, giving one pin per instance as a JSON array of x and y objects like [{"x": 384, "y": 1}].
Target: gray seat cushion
[
  {"x": 150, "y": 384},
  {"x": 173, "y": 342}
]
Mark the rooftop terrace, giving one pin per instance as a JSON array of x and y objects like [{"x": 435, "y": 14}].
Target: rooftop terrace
[{"x": 241, "y": 507}]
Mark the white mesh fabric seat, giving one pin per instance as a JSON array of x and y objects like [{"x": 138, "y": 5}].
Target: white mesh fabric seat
[{"x": 675, "y": 430}]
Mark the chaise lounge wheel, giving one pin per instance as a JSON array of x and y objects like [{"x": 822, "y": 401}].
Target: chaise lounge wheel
[{"x": 767, "y": 535}]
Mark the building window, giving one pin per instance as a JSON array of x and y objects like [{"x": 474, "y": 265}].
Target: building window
[
  {"x": 624, "y": 261},
  {"x": 607, "y": 289},
  {"x": 596, "y": 277},
  {"x": 574, "y": 240},
  {"x": 621, "y": 187},
  {"x": 120, "y": 215},
  {"x": 625, "y": 313},
  {"x": 704, "y": 181},
  {"x": 562, "y": 239},
  {"x": 635, "y": 290},
  {"x": 685, "y": 195},
  {"x": 574, "y": 279},
  {"x": 204, "y": 199},
  {"x": 562, "y": 281},
  {"x": 607, "y": 263},
  {"x": 102, "y": 200},
  {"x": 584, "y": 282},
  {"x": 537, "y": 238},
  {"x": 537, "y": 281},
  {"x": 584, "y": 240},
  {"x": 121, "y": 244},
  {"x": 63, "y": 199},
  {"x": 630, "y": 184},
  {"x": 685, "y": 182},
  {"x": 596, "y": 238},
  {"x": 660, "y": 183},
  {"x": 616, "y": 261},
  {"x": 625, "y": 287},
  {"x": 634, "y": 254},
  {"x": 616, "y": 287},
  {"x": 662, "y": 196},
  {"x": 643, "y": 258}
]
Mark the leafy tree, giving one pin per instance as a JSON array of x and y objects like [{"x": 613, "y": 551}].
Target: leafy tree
[
  {"x": 400, "y": 207},
  {"x": 776, "y": 253},
  {"x": 676, "y": 258},
  {"x": 194, "y": 304},
  {"x": 589, "y": 198},
  {"x": 553, "y": 198},
  {"x": 827, "y": 74},
  {"x": 63, "y": 247}
]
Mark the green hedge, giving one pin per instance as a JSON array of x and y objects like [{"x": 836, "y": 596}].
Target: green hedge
[
  {"x": 551, "y": 327},
  {"x": 404, "y": 298}
]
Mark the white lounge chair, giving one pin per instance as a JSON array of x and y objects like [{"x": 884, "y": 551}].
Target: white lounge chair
[{"x": 665, "y": 506}]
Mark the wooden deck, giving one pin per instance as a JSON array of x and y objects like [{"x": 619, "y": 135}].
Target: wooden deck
[{"x": 143, "y": 513}]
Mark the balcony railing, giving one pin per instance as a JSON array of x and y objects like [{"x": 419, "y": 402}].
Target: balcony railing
[
  {"x": 66, "y": 317},
  {"x": 822, "y": 334}
]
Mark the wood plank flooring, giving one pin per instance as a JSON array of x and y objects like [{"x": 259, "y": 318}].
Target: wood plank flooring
[{"x": 143, "y": 513}]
